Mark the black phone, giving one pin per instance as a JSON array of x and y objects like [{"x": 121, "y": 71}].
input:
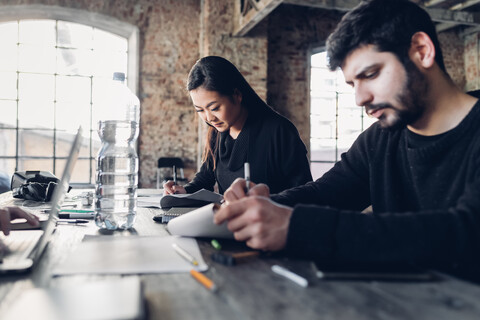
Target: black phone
[
  {"x": 158, "y": 217},
  {"x": 371, "y": 271}
]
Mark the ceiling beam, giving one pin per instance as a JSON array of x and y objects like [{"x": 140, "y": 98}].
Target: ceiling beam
[
  {"x": 245, "y": 20},
  {"x": 459, "y": 6},
  {"x": 259, "y": 9},
  {"x": 464, "y": 5},
  {"x": 445, "y": 26},
  {"x": 341, "y": 5},
  {"x": 432, "y": 3},
  {"x": 454, "y": 16}
]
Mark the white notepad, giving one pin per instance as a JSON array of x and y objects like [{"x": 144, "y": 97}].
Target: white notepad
[
  {"x": 107, "y": 299},
  {"x": 131, "y": 255},
  {"x": 199, "y": 223}
]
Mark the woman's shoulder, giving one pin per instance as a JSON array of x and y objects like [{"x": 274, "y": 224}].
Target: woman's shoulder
[{"x": 272, "y": 120}]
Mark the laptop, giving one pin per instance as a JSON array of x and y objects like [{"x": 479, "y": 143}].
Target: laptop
[{"x": 22, "y": 249}]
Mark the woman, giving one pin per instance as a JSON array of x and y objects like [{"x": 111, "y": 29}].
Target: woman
[{"x": 242, "y": 128}]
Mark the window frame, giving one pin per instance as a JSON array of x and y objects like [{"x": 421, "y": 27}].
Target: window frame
[
  {"x": 105, "y": 23},
  {"x": 337, "y": 93}
]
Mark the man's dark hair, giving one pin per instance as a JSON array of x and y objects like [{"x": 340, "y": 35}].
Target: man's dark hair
[{"x": 387, "y": 24}]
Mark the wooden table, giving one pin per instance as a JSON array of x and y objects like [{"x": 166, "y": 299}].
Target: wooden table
[{"x": 252, "y": 291}]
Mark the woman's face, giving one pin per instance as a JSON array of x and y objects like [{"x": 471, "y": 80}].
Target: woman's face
[{"x": 222, "y": 112}]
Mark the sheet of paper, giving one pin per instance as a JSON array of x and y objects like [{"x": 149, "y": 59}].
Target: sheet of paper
[
  {"x": 198, "y": 223},
  {"x": 149, "y": 192},
  {"x": 131, "y": 255},
  {"x": 196, "y": 199},
  {"x": 149, "y": 202}
]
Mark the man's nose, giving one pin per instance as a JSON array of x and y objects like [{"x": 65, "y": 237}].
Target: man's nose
[{"x": 363, "y": 95}]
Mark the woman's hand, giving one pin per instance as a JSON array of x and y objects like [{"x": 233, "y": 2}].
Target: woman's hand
[
  {"x": 170, "y": 187},
  {"x": 11, "y": 213}
]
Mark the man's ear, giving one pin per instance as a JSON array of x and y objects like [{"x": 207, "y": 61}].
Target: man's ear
[{"x": 422, "y": 50}]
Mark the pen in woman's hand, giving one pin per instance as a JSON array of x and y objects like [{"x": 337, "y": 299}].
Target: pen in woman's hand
[{"x": 174, "y": 177}]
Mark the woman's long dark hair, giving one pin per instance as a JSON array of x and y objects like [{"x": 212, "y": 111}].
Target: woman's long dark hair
[{"x": 217, "y": 74}]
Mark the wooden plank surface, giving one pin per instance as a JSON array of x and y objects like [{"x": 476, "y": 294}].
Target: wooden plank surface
[{"x": 251, "y": 290}]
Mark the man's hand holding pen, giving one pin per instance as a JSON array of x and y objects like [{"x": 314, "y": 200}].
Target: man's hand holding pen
[
  {"x": 254, "y": 218},
  {"x": 238, "y": 190}
]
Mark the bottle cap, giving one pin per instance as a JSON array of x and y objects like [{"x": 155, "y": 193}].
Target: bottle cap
[{"x": 119, "y": 76}]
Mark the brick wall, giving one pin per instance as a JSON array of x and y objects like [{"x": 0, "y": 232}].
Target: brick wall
[
  {"x": 274, "y": 57},
  {"x": 170, "y": 33},
  {"x": 471, "y": 62},
  {"x": 294, "y": 31},
  {"x": 453, "y": 55}
]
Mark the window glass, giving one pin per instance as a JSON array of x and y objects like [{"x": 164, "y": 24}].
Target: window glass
[
  {"x": 8, "y": 57},
  {"x": 36, "y": 58},
  {"x": 9, "y": 114},
  {"x": 50, "y": 73},
  {"x": 8, "y": 83},
  {"x": 75, "y": 61},
  {"x": 335, "y": 119},
  {"x": 8, "y": 139},
  {"x": 35, "y": 143},
  {"x": 73, "y": 89},
  {"x": 38, "y": 32},
  {"x": 9, "y": 33},
  {"x": 73, "y": 35}
]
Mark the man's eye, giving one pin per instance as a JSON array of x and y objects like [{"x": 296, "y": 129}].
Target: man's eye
[
  {"x": 371, "y": 75},
  {"x": 199, "y": 110},
  {"x": 214, "y": 109}
]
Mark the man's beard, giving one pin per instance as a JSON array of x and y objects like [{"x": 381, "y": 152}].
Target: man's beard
[{"x": 412, "y": 98}]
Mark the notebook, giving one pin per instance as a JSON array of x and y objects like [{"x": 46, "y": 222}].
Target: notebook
[
  {"x": 199, "y": 223},
  {"x": 165, "y": 217},
  {"x": 197, "y": 199},
  {"x": 22, "y": 249}
]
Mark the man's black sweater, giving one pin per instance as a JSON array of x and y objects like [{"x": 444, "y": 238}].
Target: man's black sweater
[{"x": 425, "y": 197}]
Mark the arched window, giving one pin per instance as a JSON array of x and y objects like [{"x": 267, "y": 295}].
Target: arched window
[
  {"x": 336, "y": 121},
  {"x": 53, "y": 63}
]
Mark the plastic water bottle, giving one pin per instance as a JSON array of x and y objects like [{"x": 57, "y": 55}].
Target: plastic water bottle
[{"x": 117, "y": 160}]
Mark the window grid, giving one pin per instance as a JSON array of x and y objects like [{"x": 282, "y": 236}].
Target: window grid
[
  {"x": 20, "y": 129},
  {"x": 328, "y": 92}
]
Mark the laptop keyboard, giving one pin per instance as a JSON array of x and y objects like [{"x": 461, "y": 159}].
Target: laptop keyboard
[{"x": 19, "y": 244}]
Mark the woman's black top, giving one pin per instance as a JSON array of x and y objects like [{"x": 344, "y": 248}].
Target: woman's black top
[{"x": 272, "y": 146}]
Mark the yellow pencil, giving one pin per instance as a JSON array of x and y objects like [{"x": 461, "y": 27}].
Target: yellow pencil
[{"x": 200, "y": 277}]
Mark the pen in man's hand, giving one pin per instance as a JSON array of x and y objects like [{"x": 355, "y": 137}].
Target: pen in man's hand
[{"x": 247, "y": 176}]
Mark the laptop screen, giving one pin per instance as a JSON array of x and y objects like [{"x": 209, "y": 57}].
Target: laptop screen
[{"x": 59, "y": 193}]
